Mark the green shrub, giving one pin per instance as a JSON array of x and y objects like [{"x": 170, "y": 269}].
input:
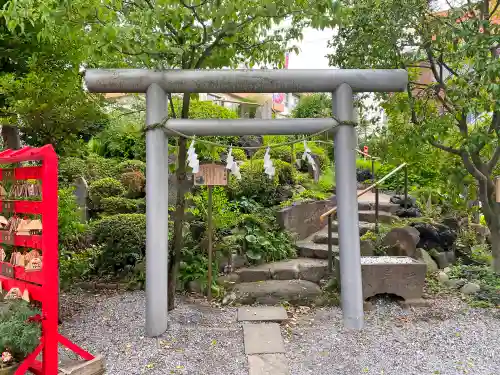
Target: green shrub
[
  {"x": 141, "y": 205},
  {"x": 131, "y": 166},
  {"x": 69, "y": 218},
  {"x": 489, "y": 295},
  {"x": 284, "y": 153},
  {"x": 78, "y": 266},
  {"x": 239, "y": 154},
  {"x": 105, "y": 188},
  {"x": 99, "y": 167},
  {"x": 256, "y": 184},
  {"x": 134, "y": 183},
  {"x": 18, "y": 336},
  {"x": 118, "y": 205},
  {"x": 70, "y": 168},
  {"x": 123, "y": 241}
]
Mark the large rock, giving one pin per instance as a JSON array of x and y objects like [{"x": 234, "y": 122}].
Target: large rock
[
  {"x": 400, "y": 199},
  {"x": 272, "y": 292},
  {"x": 431, "y": 264},
  {"x": 402, "y": 242},
  {"x": 470, "y": 288},
  {"x": 435, "y": 236}
]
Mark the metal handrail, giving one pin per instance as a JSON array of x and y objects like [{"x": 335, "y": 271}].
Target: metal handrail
[
  {"x": 332, "y": 210},
  {"x": 375, "y": 185},
  {"x": 367, "y": 155}
]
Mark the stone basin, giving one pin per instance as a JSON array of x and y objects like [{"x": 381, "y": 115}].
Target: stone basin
[{"x": 401, "y": 276}]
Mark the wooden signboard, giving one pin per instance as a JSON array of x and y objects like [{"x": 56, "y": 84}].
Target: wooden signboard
[{"x": 211, "y": 175}]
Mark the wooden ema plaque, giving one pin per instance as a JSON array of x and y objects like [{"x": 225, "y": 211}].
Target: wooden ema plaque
[
  {"x": 32, "y": 273},
  {"x": 211, "y": 174}
]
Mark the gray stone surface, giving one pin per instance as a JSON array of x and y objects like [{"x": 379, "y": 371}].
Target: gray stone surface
[
  {"x": 273, "y": 292},
  {"x": 262, "y": 313},
  {"x": 431, "y": 264},
  {"x": 321, "y": 237},
  {"x": 383, "y": 217},
  {"x": 363, "y": 227},
  {"x": 262, "y": 338},
  {"x": 309, "y": 249},
  {"x": 470, "y": 288},
  {"x": 441, "y": 259},
  {"x": 300, "y": 268},
  {"x": 405, "y": 280},
  {"x": 367, "y": 248},
  {"x": 402, "y": 241},
  {"x": 304, "y": 218},
  {"x": 82, "y": 194},
  {"x": 443, "y": 277},
  {"x": 253, "y": 274},
  {"x": 268, "y": 364}
]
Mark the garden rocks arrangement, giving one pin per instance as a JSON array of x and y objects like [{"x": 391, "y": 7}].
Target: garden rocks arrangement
[
  {"x": 408, "y": 206},
  {"x": 430, "y": 242}
]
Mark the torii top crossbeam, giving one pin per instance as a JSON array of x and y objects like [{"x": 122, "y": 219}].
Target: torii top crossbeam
[{"x": 248, "y": 81}]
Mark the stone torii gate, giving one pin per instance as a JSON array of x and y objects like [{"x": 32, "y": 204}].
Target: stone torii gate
[{"x": 156, "y": 84}]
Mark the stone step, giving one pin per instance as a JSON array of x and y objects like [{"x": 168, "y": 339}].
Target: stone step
[
  {"x": 301, "y": 268},
  {"x": 382, "y": 206},
  {"x": 273, "y": 292},
  {"x": 321, "y": 237},
  {"x": 309, "y": 249},
  {"x": 363, "y": 227},
  {"x": 383, "y": 217}
]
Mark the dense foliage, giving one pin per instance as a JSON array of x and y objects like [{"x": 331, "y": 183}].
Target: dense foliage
[
  {"x": 18, "y": 336},
  {"x": 456, "y": 111}
]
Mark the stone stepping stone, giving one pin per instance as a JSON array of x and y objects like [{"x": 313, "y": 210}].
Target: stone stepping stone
[
  {"x": 273, "y": 292},
  {"x": 262, "y": 313},
  {"x": 268, "y": 364},
  {"x": 301, "y": 268},
  {"x": 263, "y": 338}
]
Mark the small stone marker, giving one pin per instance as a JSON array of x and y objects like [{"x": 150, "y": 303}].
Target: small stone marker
[
  {"x": 82, "y": 193},
  {"x": 268, "y": 364},
  {"x": 262, "y": 313},
  {"x": 262, "y": 338}
]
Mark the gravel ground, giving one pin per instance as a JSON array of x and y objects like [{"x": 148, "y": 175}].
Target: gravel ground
[
  {"x": 200, "y": 340},
  {"x": 447, "y": 338}
]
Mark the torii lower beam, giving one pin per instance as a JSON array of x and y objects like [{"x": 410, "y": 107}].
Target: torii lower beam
[{"x": 341, "y": 83}]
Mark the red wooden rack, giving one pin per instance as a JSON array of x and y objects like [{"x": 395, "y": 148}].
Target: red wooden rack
[{"x": 42, "y": 285}]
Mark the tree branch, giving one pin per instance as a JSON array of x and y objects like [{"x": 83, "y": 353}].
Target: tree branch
[
  {"x": 448, "y": 149},
  {"x": 197, "y": 17}
]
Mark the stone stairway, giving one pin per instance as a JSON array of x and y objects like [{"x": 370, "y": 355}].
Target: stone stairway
[{"x": 297, "y": 281}]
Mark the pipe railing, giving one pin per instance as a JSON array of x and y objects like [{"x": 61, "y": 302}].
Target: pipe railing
[{"x": 331, "y": 212}]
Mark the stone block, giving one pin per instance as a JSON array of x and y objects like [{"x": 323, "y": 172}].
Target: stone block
[
  {"x": 402, "y": 242},
  {"x": 247, "y": 275},
  {"x": 313, "y": 270},
  {"x": 273, "y": 292},
  {"x": 263, "y": 338},
  {"x": 262, "y": 313},
  {"x": 441, "y": 259},
  {"x": 268, "y": 364},
  {"x": 401, "y": 276},
  {"x": 303, "y": 219}
]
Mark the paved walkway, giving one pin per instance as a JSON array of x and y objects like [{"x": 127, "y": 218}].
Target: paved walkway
[{"x": 264, "y": 345}]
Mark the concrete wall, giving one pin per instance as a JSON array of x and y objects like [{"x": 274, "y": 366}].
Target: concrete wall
[{"x": 303, "y": 218}]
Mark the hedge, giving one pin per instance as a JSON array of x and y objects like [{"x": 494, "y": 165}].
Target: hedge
[{"x": 105, "y": 188}]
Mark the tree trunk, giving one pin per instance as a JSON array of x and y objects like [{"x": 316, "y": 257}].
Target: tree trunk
[
  {"x": 495, "y": 248},
  {"x": 175, "y": 254},
  {"x": 11, "y": 137}
]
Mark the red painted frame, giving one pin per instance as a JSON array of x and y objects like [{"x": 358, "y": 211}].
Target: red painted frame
[{"x": 43, "y": 286}]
